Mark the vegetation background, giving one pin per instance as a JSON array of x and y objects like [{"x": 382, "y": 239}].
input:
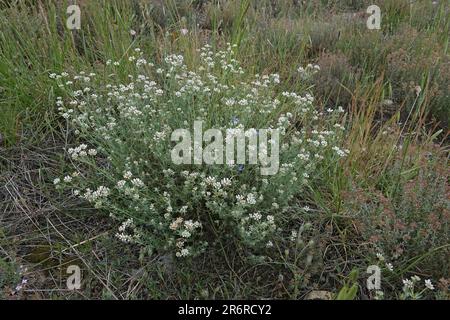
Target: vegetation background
[{"x": 394, "y": 83}]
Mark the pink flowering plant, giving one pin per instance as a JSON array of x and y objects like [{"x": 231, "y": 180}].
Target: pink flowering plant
[{"x": 121, "y": 160}]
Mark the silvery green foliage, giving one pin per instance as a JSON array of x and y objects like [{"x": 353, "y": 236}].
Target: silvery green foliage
[{"x": 123, "y": 162}]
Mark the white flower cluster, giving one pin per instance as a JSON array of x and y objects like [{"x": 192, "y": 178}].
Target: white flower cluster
[
  {"x": 409, "y": 288},
  {"x": 81, "y": 151},
  {"x": 128, "y": 232},
  {"x": 185, "y": 230},
  {"x": 382, "y": 259},
  {"x": 97, "y": 196}
]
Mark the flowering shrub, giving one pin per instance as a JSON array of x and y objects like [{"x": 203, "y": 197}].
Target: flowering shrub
[{"x": 123, "y": 165}]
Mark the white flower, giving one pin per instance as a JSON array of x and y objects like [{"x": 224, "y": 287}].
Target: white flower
[
  {"x": 340, "y": 152},
  {"x": 183, "y": 253},
  {"x": 390, "y": 267},
  {"x": 294, "y": 235},
  {"x": 243, "y": 102},
  {"x": 225, "y": 182},
  {"x": 210, "y": 180},
  {"x": 230, "y": 102},
  {"x": 67, "y": 179},
  {"x": 183, "y": 209},
  {"x": 429, "y": 285},
  {"x": 185, "y": 234},
  {"x": 137, "y": 182},
  {"x": 251, "y": 198},
  {"x": 408, "y": 284},
  {"x": 56, "y": 180},
  {"x": 418, "y": 90},
  {"x": 256, "y": 216},
  {"x": 127, "y": 175},
  {"x": 184, "y": 31},
  {"x": 121, "y": 184}
]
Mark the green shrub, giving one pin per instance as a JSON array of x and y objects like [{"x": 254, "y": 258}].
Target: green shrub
[{"x": 123, "y": 163}]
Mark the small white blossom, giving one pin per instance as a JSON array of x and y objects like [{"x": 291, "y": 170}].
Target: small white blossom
[
  {"x": 429, "y": 285},
  {"x": 408, "y": 284},
  {"x": 137, "y": 182},
  {"x": 127, "y": 175}
]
